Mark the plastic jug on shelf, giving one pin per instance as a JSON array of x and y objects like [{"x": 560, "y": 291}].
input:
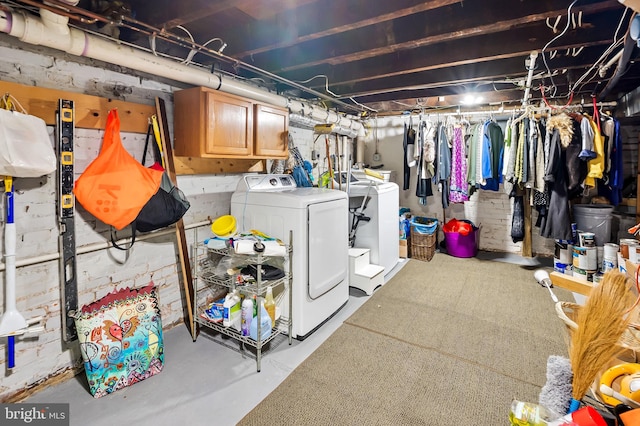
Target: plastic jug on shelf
[
  {"x": 265, "y": 324},
  {"x": 270, "y": 305}
]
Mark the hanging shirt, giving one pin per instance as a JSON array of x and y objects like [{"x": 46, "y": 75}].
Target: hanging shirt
[
  {"x": 608, "y": 126},
  {"x": 596, "y": 164},
  {"x": 429, "y": 157},
  {"x": 480, "y": 153},
  {"x": 613, "y": 190},
  {"x": 458, "y": 187},
  {"x": 519, "y": 173},
  {"x": 407, "y": 144},
  {"x": 444, "y": 164},
  {"x": 556, "y": 223},
  {"x": 531, "y": 153},
  {"x": 539, "y": 184},
  {"x": 471, "y": 162},
  {"x": 507, "y": 183},
  {"x": 493, "y": 145},
  {"x": 423, "y": 185},
  {"x": 586, "y": 129}
]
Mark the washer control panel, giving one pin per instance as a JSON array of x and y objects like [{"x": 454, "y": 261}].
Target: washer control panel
[{"x": 267, "y": 182}]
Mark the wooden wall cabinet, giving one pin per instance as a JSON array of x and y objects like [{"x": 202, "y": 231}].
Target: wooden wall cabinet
[
  {"x": 213, "y": 124},
  {"x": 270, "y": 134}
]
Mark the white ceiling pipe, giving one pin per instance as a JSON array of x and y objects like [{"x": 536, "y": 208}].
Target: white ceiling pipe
[
  {"x": 527, "y": 88},
  {"x": 54, "y": 33}
]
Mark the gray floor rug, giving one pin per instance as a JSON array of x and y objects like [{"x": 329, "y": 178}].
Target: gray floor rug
[{"x": 446, "y": 342}]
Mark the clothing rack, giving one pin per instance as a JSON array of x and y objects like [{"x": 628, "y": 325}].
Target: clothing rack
[
  {"x": 512, "y": 111},
  {"x": 516, "y": 114}
]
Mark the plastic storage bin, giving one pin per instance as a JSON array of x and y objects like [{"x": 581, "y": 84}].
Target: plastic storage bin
[
  {"x": 594, "y": 218},
  {"x": 459, "y": 245}
]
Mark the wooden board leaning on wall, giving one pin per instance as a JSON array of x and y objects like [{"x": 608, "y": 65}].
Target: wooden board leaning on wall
[{"x": 91, "y": 113}]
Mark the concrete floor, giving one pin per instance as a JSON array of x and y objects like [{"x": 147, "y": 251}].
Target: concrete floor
[
  {"x": 206, "y": 382},
  {"x": 202, "y": 382}
]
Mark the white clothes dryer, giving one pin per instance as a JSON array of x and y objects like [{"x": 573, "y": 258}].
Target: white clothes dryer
[
  {"x": 381, "y": 233},
  {"x": 318, "y": 217}
]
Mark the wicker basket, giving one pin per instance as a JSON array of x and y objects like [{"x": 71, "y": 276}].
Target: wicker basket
[
  {"x": 629, "y": 343},
  {"x": 630, "y": 339},
  {"x": 423, "y": 246}
]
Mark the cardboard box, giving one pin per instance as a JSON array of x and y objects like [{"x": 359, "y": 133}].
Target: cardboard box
[{"x": 404, "y": 249}]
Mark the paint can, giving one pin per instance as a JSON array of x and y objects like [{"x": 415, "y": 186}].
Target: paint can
[
  {"x": 580, "y": 274},
  {"x": 587, "y": 239},
  {"x": 625, "y": 243},
  {"x": 610, "y": 257},
  {"x": 580, "y": 257},
  {"x": 600, "y": 250},
  {"x": 597, "y": 277},
  {"x": 591, "y": 258},
  {"x": 631, "y": 248},
  {"x": 622, "y": 265},
  {"x": 559, "y": 266},
  {"x": 563, "y": 252}
]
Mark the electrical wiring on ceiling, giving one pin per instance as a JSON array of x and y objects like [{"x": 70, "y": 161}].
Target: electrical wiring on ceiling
[
  {"x": 587, "y": 77},
  {"x": 130, "y": 23},
  {"x": 566, "y": 28},
  {"x": 615, "y": 44},
  {"x": 326, "y": 88}
]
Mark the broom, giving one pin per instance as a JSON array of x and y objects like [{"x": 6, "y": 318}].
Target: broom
[{"x": 601, "y": 322}]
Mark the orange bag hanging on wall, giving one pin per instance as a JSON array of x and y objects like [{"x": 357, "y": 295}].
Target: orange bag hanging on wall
[{"x": 115, "y": 186}]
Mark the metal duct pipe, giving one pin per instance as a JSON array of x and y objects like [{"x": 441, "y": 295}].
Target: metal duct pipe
[
  {"x": 623, "y": 61},
  {"x": 52, "y": 31},
  {"x": 309, "y": 123},
  {"x": 532, "y": 65}
]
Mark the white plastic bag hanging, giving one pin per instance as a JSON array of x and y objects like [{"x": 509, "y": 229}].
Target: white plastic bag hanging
[{"x": 25, "y": 145}]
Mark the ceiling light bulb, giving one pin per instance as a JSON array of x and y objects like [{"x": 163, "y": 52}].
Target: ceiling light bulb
[
  {"x": 471, "y": 99},
  {"x": 224, "y": 46}
]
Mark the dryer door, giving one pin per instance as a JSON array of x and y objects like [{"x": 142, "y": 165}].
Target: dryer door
[{"x": 328, "y": 246}]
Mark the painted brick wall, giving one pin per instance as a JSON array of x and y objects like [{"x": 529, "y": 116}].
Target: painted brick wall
[{"x": 101, "y": 271}]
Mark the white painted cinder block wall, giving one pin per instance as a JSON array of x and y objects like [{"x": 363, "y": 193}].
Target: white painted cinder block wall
[{"x": 102, "y": 271}]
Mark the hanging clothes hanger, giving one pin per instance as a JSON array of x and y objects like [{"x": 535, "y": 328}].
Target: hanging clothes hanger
[{"x": 525, "y": 114}]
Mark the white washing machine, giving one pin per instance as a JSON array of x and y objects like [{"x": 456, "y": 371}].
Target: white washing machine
[
  {"x": 381, "y": 233},
  {"x": 318, "y": 217}
]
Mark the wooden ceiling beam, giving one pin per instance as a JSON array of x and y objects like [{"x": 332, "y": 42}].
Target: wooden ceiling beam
[
  {"x": 322, "y": 19},
  {"x": 420, "y": 30},
  {"x": 459, "y": 79},
  {"x": 201, "y": 10},
  {"x": 453, "y": 54}
]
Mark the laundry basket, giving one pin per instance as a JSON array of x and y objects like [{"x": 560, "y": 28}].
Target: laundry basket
[{"x": 424, "y": 233}]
